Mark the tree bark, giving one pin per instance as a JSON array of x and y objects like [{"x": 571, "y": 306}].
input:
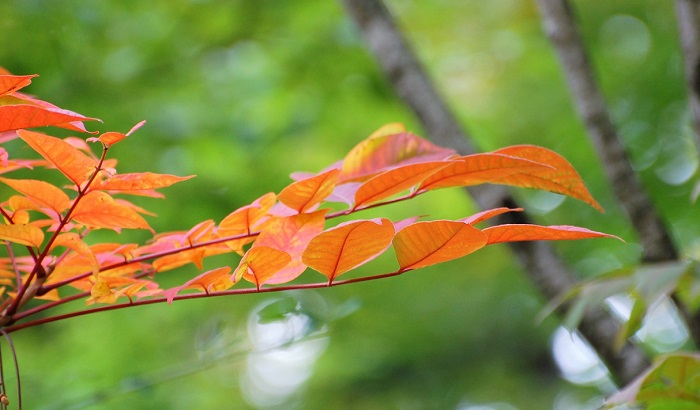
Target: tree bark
[
  {"x": 688, "y": 12},
  {"x": 561, "y": 28},
  {"x": 540, "y": 260}
]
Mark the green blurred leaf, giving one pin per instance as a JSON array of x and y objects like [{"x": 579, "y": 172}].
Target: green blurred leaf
[{"x": 673, "y": 382}]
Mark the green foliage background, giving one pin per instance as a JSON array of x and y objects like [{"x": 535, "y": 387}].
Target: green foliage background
[{"x": 242, "y": 93}]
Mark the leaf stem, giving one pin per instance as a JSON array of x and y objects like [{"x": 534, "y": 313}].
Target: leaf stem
[{"x": 316, "y": 285}]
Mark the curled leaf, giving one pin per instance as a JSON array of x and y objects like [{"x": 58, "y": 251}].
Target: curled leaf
[
  {"x": 561, "y": 178},
  {"x": 386, "y": 148},
  {"x": 307, "y": 193}
]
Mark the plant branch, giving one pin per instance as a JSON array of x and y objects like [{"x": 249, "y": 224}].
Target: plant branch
[
  {"x": 561, "y": 28},
  {"x": 540, "y": 260},
  {"x": 688, "y": 14},
  {"x": 27, "y": 291},
  {"x": 317, "y": 285}
]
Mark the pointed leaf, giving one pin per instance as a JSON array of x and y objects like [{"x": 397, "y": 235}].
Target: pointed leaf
[
  {"x": 73, "y": 241},
  {"x": 242, "y": 220},
  {"x": 99, "y": 210},
  {"x": 395, "y": 180},
  {"x": 111, "y": 138},
  {"x": 347, "y": 246},
  {"x": 527, "y": 232},
  {"x": 428, "y": 243},
  {"x": 28, "y": 235},
  {"x": 16, "y": 117},
  {"x": 292, "y": 235},
  {"x": 211, "y": 281},
  {"x": 386, "y": 148},
  {"x": 260, "y": 264},
  {"x": 562, "y": 180},
  {"x": 12, "y": 83},
  {"x": 70, "y": 161},
  {"x": 141, "y": 181},
  {"x": 478, "y": 169},
  {"x": 42, "y": 192},
  {"x": 306, "y": 194},
  {"x": 488, "y": 214}
]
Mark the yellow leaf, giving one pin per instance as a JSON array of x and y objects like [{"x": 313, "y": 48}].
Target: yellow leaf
[{"x": 25, "y": 234}]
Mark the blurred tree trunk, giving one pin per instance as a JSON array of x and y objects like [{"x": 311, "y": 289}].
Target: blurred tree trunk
[{"x": 539, "y": 259}]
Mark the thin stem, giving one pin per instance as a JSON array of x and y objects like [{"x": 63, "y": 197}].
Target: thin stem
[
  {"x": 14, "y": 358},
  {"x": 217, "y": 241},
  {"x": 38, "y": 268},
  {"x": 317, "y": 285}
]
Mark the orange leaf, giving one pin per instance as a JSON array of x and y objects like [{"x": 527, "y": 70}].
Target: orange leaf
[
  {"x": 141, "y": 181},
  {"x": 347, "y": 246},
  {"x": 242, "y": 220},
  {"x": 395, "y": 180},
  {"x": 42, "y": 192},
  {"x": 201, "y": 232},
  {"x": 260, "y": 264},
  {"x": 428, "y": 243},
  {"x": 211, "y": 281},
  {"x": 12, "y": 83},
  {"x": 291, "y": 234},
  {"x": 305, "y": 194},
  {"x": 28, "y": 235},
  {"x": 388, "y": 147},
  {"x": 98, "y": 210},
  {"x": 73, "y": 241},
  {"x": 107, "y": 289},
  {"x": 527, "y": 232},
  {"x": 563, "y": 179},
  {"x": 479, "y": 169},
  {"x": 16, "y": 117},
  {"x": 111, "y": 138},
  {"x": 488, "y": 214},
  {"x": 69, "y": 160}
]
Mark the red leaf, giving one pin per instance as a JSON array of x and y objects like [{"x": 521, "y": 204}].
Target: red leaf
[
  {"x": 428, "y": 243},
  {"x": 16, "y": 117},
  {"x": 12, "y": 83},
  {"x": 305, "y": 194},
  {"x": 347, "y": 246},
  {"x": 527, "y": 232},
  {"x": 388, "y": 147},
  {"x": 395, "y": 180},
  {"x": 69, "y": 160},
  {"x": 562, "y": 179}
]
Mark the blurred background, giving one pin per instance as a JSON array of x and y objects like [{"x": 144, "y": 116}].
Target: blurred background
[{"x": 242, "y": 93}]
